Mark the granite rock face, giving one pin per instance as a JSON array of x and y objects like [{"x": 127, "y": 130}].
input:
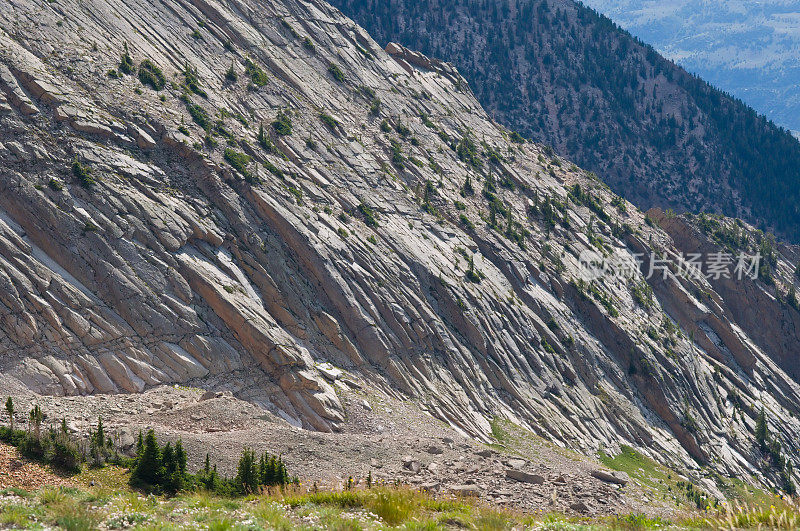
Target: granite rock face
[{"x": 396, "y": 233}]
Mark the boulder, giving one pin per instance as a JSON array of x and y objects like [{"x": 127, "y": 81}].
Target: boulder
[
  {"x": 431, "y": 486},
  {"x": 126, "y": 439},
  {"x": 616, "y": 478},
  {"x": 524, "y": 477},
  {"x": 465, "y": 490},
  {"x": 516, "y": 464},
  {"x": 208, "y": 395},
  {"x": 409, "y": 463},
  {"x": 579, "y": 506}
]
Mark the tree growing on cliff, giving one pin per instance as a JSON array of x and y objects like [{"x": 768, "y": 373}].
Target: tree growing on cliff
[{"x": 762, "y": 432}]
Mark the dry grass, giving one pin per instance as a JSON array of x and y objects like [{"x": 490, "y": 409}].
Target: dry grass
[{"x": 744, "y": 516}]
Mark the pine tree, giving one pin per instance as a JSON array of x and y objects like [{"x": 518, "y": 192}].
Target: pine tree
[
  {"x": 791, "y": 298},
  {"x": 126, "y": 63},
  {"x": 174, "y": 459},
  {"x": 231, "y": 74},
  {"x": 210, "y": 480},
  {"x": 762, "y": 432},
  {"x": 168, "y": 460},
  {"x": 281, "y": 477},
  {"x": 247, "y": 473},
  {"x": 174, "y": 463},
  {"x": 139, "y": 445},
  {"x": 10, "y": 411},
  {"x": 214, "y": 478},
  {"x": 99, "y": 444},
  {"x": 467, "y": 189},
  {"x": 100, "y": 434},
  {"x": 207, "y": 466},
  {"x": 148, "y": 471},
  {"x": 430, "y": 191},
  {"x": 271, "y": 475},
  {"x": 471, "y": 274},
  {"x": 180, "y": 457},
  {"x": 262, "y": 470},
  {"x": 36, "y": 417}
]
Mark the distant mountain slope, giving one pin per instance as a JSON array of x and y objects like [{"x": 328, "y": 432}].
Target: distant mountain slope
[
  {"x": 564, "y": 75},
  {"x": 747, "y": 48}
]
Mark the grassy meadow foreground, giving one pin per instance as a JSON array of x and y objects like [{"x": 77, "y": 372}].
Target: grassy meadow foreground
[{"x": 100, "y": 498}]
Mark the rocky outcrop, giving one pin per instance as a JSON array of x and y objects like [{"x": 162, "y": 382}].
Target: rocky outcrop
[
  {"x": 294, "y": 201},
  {"x": 410, "y": 60}
]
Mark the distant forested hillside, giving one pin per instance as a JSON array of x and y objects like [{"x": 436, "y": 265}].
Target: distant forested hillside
[
  {"x": 562, "y": 74},
  {"x": 747, "y": 48}
]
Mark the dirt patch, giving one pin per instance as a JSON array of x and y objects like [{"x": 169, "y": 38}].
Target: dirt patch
[{"x": 16, "y": 471}]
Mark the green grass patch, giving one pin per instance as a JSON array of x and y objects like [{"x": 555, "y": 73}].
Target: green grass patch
[
  {"x": 635, "y": 465},
  {"x": 17, "y": 516},
  {"x": 499, "y": 432},
  {"x": 650, "y": 474}
]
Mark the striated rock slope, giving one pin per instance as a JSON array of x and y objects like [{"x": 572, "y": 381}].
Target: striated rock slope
[{"x": 380, "y": 222}]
